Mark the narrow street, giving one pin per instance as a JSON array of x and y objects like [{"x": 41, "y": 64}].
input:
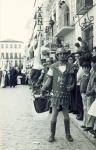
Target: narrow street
[{"x": 21, "y": 128}]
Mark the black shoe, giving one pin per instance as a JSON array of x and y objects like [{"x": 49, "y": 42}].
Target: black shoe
[
  {"x": 51, "y": 139},
  {"x": 75, "y": 112},
  {"x": 88, "y": 129},
  {"x": 70, "y": 111},
  {"x": 94, "y": 134},
  {"x": 50, "y": 110},
  {"x": 69, "y": 138},
  {"x": 83, "y": 126},
  {"x": 79, "y": 117},
  {"x": 91, "y": 131}
]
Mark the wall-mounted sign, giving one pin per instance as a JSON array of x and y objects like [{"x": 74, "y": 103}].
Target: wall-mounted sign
[{"x": 39, "y": 19}]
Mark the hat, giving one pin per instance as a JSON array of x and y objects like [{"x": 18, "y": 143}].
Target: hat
[{"x": 62, "y": 50}]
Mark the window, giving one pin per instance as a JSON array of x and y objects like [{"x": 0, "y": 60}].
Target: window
[
  {"x": 19, "y": 45},
  {"x": 15, "y": 55},
  {"x": 6, "y": 55},
  {"x": 2, "y": 45},
  {"x": 6, "y": 45},
  {"x": 66, "y": 15},
  {"x": 15, "y": 45},
  {"x": 2, "y": 55},
  {"x": 10, "y": 45},
  {"x": 15, "y": 63},
  {"x": 11, "y": 55},
  {"x": 19, "y": 62},
  {"x": 19, "y": 55}
]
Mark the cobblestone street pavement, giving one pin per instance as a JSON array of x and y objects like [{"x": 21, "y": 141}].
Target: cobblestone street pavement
[{"x": 21, "y": 128}]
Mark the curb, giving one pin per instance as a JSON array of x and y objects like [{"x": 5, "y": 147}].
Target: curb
[{"x": 78, "y": 123}]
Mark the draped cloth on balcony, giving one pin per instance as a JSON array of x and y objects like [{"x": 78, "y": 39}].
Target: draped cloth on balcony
[
  {"x": 63, "y": 16},
  {"x": 37, "y": 58}
]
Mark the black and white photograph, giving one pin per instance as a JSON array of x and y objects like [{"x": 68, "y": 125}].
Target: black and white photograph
[{"x": 47, "y": 74}]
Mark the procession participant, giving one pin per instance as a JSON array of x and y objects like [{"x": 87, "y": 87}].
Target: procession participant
[
  {"x": 3, "y": 79},
  {"x": 13, "y": 76},
  {"x": 59, "y": 75}
]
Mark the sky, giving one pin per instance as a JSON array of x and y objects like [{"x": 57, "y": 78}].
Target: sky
[{"x": 16, "y": 19}]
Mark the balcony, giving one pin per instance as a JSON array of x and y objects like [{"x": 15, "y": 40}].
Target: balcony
[
  {"x": 63, "y": 25},
  {"x": 64, "y": 31},
  {"x": 82, "y": 6}
]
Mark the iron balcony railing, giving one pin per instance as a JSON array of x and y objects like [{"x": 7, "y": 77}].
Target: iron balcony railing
[{"x": 82, "y": 6}]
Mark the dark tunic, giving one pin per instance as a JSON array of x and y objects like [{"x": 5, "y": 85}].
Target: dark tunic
[{"x": 61, "y": 95}]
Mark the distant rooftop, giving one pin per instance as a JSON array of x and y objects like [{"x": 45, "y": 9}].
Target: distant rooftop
[{"x": 10, "y": 40}]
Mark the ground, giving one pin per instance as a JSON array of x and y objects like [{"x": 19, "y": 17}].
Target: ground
[{"x": 21, "y": 128}]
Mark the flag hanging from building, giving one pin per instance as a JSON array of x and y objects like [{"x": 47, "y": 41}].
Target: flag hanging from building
[{"x": 37, "y": 58}]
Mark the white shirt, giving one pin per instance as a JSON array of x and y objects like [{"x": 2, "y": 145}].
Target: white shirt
[
  {"x": 61, "y": 69},
  {"x": 80, "y": 74}
]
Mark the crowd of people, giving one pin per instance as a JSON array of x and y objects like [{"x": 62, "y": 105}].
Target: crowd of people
[
  {"x": 11, "y": 77},
  {"x": 73, "y": 94},
  {"x": 71, "y": 82}
]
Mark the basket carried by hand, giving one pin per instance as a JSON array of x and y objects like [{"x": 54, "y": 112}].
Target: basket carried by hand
[{"x": 41, "y": 103}]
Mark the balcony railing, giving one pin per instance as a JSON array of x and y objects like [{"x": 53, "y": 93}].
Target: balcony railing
[{"x": 82, "y": 6}]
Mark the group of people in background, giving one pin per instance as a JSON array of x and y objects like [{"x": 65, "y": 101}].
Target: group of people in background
[{"x": 11, "y": 77}]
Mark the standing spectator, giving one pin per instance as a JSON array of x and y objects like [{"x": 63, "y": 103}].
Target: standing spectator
[
  {"x": 59, "y": 75},
  {"x": 76, "y": 68},
  {"x": 92, "y": 110},
  {"x": 78, "y": 95},
  {"x": 91, "y": 95},
  {"x": 83, "y": 87},
  {"x": 3, "y": 79},
  {"x": 72, "y": 93}
]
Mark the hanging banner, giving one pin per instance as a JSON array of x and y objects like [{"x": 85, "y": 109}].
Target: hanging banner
[
  {"x": 37, "y": 59},
  {"x": 39, "y": 19}
]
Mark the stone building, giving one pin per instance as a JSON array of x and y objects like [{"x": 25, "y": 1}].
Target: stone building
[{"x": 11, "y": 53}]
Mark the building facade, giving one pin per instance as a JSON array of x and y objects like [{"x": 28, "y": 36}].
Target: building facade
[
  {"x": 70, "y": 20},
  {"x": 63, "y": 21},
  {"x": 11, "y": 53}
]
